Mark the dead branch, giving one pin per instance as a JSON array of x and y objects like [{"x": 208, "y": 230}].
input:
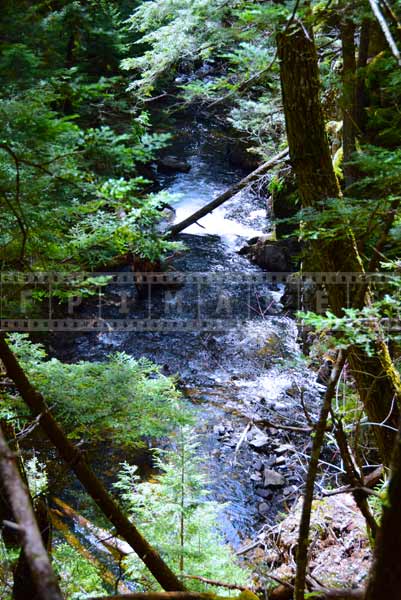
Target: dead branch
[
  {"x": 386, "y": 30},
  {"x": 354, "y": 475},
  {"x": 161, "y": 596},
  {"x": 267, "y": 423}
]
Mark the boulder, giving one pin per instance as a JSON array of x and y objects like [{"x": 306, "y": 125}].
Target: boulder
[
  {"x": 273, "y": 478},
  {"x": 169, "y": 164},
  {"x": 273, "y": 256}
]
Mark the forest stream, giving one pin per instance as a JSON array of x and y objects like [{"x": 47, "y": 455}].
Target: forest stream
[{"x": 238, "y": 363}]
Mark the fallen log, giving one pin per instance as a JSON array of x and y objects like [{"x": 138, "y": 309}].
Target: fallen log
[
  {"x": 110, "y": 541},
  {"x": 105, "y": 574},
  {"x": 75, "y": 459},
  {"x": 234, "y": 189}
]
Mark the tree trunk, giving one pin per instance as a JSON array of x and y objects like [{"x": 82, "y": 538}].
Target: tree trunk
[
  {"x": 375, "y": 376},
  {"x": 24, "y": 586},
  {"x": 348, "y": 98},
  {"x": 45, "y": 582},
  {"x": 75, "y": 459},
  {"x": 360, "y": 93},
  {"x": 385, "y": 577}
]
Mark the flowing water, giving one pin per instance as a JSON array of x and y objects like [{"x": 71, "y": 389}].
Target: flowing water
[{"x": 225, "y": 333}]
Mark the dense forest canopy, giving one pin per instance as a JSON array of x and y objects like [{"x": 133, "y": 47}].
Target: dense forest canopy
[{"x": 279, "y": 118}]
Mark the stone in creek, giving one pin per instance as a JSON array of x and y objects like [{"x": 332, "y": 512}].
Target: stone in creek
[
  {"x": 263, "y": 493},
  {"x": 256, "y": 477},
  {"x": 259, "y": 439},
  {"x": 263, "y": 508},
  {"x": 273, "y": 478},
  {"x": 284, "y": 448},
  {"x": 258, "y": 465},
  {"x": 171, "y": 164},
  {"x": 219, "y": 429}
]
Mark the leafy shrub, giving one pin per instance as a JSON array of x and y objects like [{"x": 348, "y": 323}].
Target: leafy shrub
[{"x": 122, "y": 396}]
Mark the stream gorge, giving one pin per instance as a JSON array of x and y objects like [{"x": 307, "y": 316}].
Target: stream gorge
[{"x": 216, "y": 321}]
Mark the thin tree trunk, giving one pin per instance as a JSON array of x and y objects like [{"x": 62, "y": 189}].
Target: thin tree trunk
[
  {"x": 24, "y": 585},
  {"x": 75, "y": 459},
  {"x": 303, "y": 535},
  {"x": 355, "y": 477},
  {"x": 375, "y": 375},
  {"x": 386, "y": 30},
  {"x": 360, "y": 93},
  {"x": 41, "y": 571},
  {"x": 348, "y": 98}
]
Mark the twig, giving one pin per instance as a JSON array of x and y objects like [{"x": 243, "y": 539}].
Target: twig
[
  {"x": 268, "y": 423},
  {"x": 241, "y": 441}
]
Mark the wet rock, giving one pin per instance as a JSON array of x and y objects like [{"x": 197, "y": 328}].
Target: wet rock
[
  {"x": 273, "y": 256},
  {"x": 263, "y": 508},
  {"x": 256, "y": 477},
  {"x": 258, "y": 465},
  {"x": 273, "y": 478},
  {"x": 169, "y": 164},
  {"x": 284, "y": 448},
  {"x": 239, "y": 157},
  {"x": 259, "y": 439},
  {"x": 263, "y": 493},
  {"x": 219, "y": 430},
  {"x": 280, "y": 460}
]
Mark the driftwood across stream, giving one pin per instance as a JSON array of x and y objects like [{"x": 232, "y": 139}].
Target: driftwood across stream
[{"x": 229, "y": 193}]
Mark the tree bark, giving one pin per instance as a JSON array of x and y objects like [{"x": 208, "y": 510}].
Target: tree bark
[
  {"x": 75, "y": 459},
  {"x": 385, "y": 576},
  {"x": 45, "y": 581},
  {"x": 24, "y": 585},
  {"x": 375, "y": 376},
  {"x": 360, "y": 93},
  {"x": 348, "y": 98}
]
